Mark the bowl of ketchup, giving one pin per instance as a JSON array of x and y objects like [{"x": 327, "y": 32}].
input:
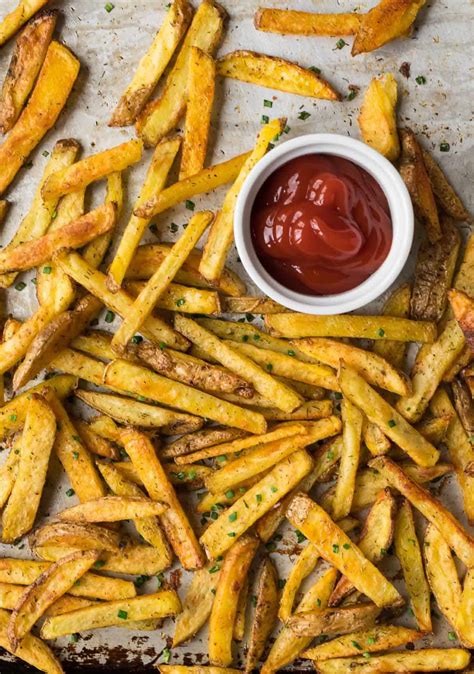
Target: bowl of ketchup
[{"x": 323, "y": 224}]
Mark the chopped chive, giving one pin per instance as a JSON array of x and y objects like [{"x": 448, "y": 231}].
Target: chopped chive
[
  {"x": 304, "y": 115},
  {"x": 74, "y": 638},
  {"x": 287, "y": 129},
  {"x": 346, "y": 546},
  {"x": 221, "y": 458},
  {"x": 45, "y": 153},
  {"x": 421, "y": 79},
  {"x": 371, "y": 640},
  {"x": 109, "y": 317},
  {"x": 232, "y": 517},
  {"x": 335, "y": 548},
  {"x": 174, "y": 227},
  {"x": 258, "y": 498},
  {"x": 452, "y": 636},
  {"x": 290, "y": 352},
  {"x": 245, "y": 338},
  {"x": 273, "y": 489},
  {"x": 159, "y": 580},
  {"x": 231, "y": 534},
  {"x": 281, "y": 583},
  {"x": 267, "y": 103},
  {"x": 250, "y": 317},
  {"x": 166, "y": 654},
  {"x": 392, "y": 423},
  {"x": 381, "y": 332},
  {"x": 140, "y": 580},
  {"x": 357, "y": 645},
  {"x": 340, "y": 44},
  {"x": 99, "y": 564},
  {"x": 13, "y": 417},
  {"x": 230, "y": 493},
  {"x": 264, "y": 119},
  {"x": 190, "y": 205},
  {"x": 444, "y": 147},
  {"x": 75, "y": 455},
  {"x": 180, "y": 302},
  {"x": 366, "y": 654},
  {"x": 315, "y": 70},
  {"x": 330, "y": 455},
  {"x": 269, "y": 367},
  {"x": 253, "y": 599},
  {"x": 214, "y": 568},
  {"x": 300, "y": 537},
  {"x": 70, "y": 492},
  {"x": 20, "y": 286},
  {"x": 47, "y": 270},
  {"x": 109, "y": 7},
  {"x": 137, "y": 339}
]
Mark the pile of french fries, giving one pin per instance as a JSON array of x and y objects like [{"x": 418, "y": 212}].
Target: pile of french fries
[{"x": 253, "y": 422}]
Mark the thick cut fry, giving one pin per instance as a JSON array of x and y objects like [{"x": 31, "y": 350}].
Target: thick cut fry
[
  {"x": 257, "y": 305},
  {"x": 201, "y": 84},
  {"x": 461, "y": 451},
  {"x": 455, "y": 535},
  {"x": 194, "y": 442},
  {"x": 174, "y": 520},
  {"x": 309, "y": 411},
  {"x": 423, "y": 660},
  {"x": 51, "y": 585},
  {"x": 13, "y": 348},
  {"x": 96, "y": 283},
  {"x": 442, "y": 574},
  {"x": 464, "y": 279},
  {"x": 351, "y": 439},
  {"x": 32, "y": 650},
  {"x": 463, "y": 309},
  {"x": 96, "y": 250},
  {"x": 155, "y": 180},
  {"x": 334, "y": 620},
  {"x": 265, "y": 615},
  {"x": 398, "y": 304},
  {"x": 388, "y": 20},
  {"x": 221, "y": 234},
  {"x": 464, "y": 622},
  {"x": 275, "y": 73},
  {"x": 147, "y": 606},
  {"x": 74, "y": 235},
  {"x": 153, "y": 64},
  {"x": 332, "y": 544},
  {"x": 112, "y": 509},
  {"x": 13, "y": 21},
  {"x": 224, "y": 609},
  {"x": 77, "y": 535},
  {"x": 413, "y": 171},
  {"x": 144, "y": 304},
  {"x": 197, "y": 603},
  {"x": 35, "y": 449},
  {"x": 8, "y": 472},
  {"x": 256, "y": 501},
  {"x": 27, "y": 59},
  {"x": 53, "y": 86},
  {"x": 88, "y": 170},
  {"x": 434, "y": 429},
  {"x": 430, "y": 365},
  {"x": 377, "y": 118},
  {"x": 94, "y": 442},
  {"x": 386, "y": 417},
  {"x": 80, "y": 365},
  {"x": 376, "y": 442},
  {"x": 162, "y": 115},
  {"x": 444, "y": 192},
  {"x": 292, "y": 22},
  {"x": 407, "y": 549},
  {"x": 463, "y": 404}
]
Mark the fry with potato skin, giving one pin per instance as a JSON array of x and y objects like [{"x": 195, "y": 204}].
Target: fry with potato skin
[
  {"x": 94, "y": 442},
  {"x": 352, "y": 420},
  {"x": 464, "y": 623},
  {"x": 422, "y": 660},
  {"x": 444, "y": 192},
  {"x": 265, "y": 613},
  {"x": 442, "y": 574},
  {"x": 112, "y": 509},
  {"x": 76, "y": 535},
  {"x": 19, "y": 16},
  {"x": 342, "y": 620},
  {"x": 398, "y": 304},
  {"x": 193, "y": 442},
  {"x": 197, "y": 603},
  {"x": 377, "y": 118},
  {"x": 293, "y": 22},
  {"x": 463, "y": 309}
]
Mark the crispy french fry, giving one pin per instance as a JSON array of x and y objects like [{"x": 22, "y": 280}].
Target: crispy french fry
[
  {"x": 380, "y": 412},
  {"x": 256, "y": 501},
  {"x": 351, "y": 438},
  {"x": 398, "y": 304},
  {"x": 77, "y": 535},
  {"x": 293, "y": 22},
  {"x": 197, "y": 603},
  {"x": 434, "y": 429},
  {"x": 155, "y": 180},
  {"x": 275, "y": 73},
  {"x": 464, "y": 624},
  {"x": 153, "y": 64},
  {"x": 249, "y": 305},
  {"x": 94, "y": 442},
  {"x": 376, "y": 442},
  {"x": 442, "y": 574},
  {"x": 27, "y": 59},
  {"x": 407, "y": 549},
  {"x": 10, "y": 595},
  {"x": 342, "y": 620},
  {"x": 430, "y": 366},
  {"x": 147, "y": 606},
  {"x": 377, "y": 118},
  {"x": 422, "y": 660},
  {"x": 265, "y": 614},
  {"x": 193, "y": 442},
  {"x": 53, "y": 86},
  {"x": 80, "y": 365},
  {"x": 201, "y": 84},
  {"x": 88, "y": 170},
  {"x": 144, "y": 304},
  {"x": 463, "y": 309},
  {"x": 455, "y": 535},
  {"x": 309, "y": 411},
  {"x": 8, "y": 472},
  {"x": 221, "y": 234},
  {"x": 14, "y": 348},
  {"x": 13, "y": 21},
  {"x": 50, "y": 585},
  {"x": 32, "y": 650},
  {"x": 388, "y": 20},
  {"x": 224, "y": 608},
  {"x": 112, "y": 509},
  {"x": 303, "y": 566},
  {"x": 444, "y": 192},
  {"x": 96, "y": 250},
  {"x": 174, "y": 520},
  {"x": 162, "y": 115},
  {"x": 35, "y": 449},
  {"x": 463, "y": 404}
]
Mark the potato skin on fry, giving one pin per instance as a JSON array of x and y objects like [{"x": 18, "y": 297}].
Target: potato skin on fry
[
  {"x": 265, "y": 615},
  {"x": 463, "y": 309},
  {"x": 377, "y": 120},
  {"x": 293, "y": 22}
]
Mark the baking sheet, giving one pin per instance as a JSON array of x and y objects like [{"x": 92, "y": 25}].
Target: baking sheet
[{"x": 109, "y": 45}]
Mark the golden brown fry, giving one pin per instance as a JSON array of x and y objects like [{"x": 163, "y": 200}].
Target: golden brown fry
[
  {"x": 464, "y": 623},
  {"x": 238, "y": 632},
  {"x": 422, "y": 660},
  {"x": 76, "y": 535},
  {"x": 53, "y": 86},
  {"x": 463, "y": 309},
  {"x": 193, "y": 442},
  {"x": 463, "y": 404},
  {"x": 434, "y": 429},
  {"x": 112, "y": 509},
  {"x": 293, "y": 22},
  {"x": 398, "y": 304},
  {"x": 8, "y": 473},
  {"x": 248, "y": 305},
  {"x": 3, "y": 209},
  {"x": 342, "y": 620},
  {"x": 442, "y": 574},
  {"x": 388, "y": 20},
  {"x": 444, "y": 192},
  {"x": 265, "y": 614},
  {"x": 377, "y": 118},
  {"x": 96, "y": 250},
  {"x": 197, "y": 603},
  {"x": 27, "y": 59},
  {"x": 376, "y": 442},
  {"x": 13, "y": 21},
  {"x": 153, "y": 64},
  {"x": 351, "y": 440},
  {"x": 94, "y": 442}
]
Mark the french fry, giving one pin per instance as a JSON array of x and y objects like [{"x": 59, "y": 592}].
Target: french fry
[
  {"x": 398, "y": 304},
  {"x": 293, "y": 22},
  {"x": 257, "y": 305},
  {"x": 422, "y": 660},
  {"x": 385, "y": 22},
  {"x": 444, "y": 192},
  {"x": 112, "y": 509},
  {"x": 430, "y": 365},
  {"x": 80, "y": 365},
  {"x": 380, "y": 412},
  {"x": 94, "y": 442},
  {"x": 53, "y": 86},
  {"x": 153, "y": 64},
  {"x": 463, "y": 309},
  {"x": 174, "y": 520},
  {"x": 155, "y": 180},
  {"x": 224, "y": 608},
  {"x": 67, "y": 603},
  {"x": 144, "y": 304},
  {"x": 27, "y": 59},
  {"x": 294, "y": 326},
  {"x": 342, "y": 620},
  {"x": 82, "y": 173},
  {"x": 50, "y": 585},
  {"x": 265, "y": 614},
  {"x": 460, "y": 449},
  {"x": 221, "y": 234},
  {"x": 201, "y": 85},
  {"x": 32, "y": 650},
  {"x": 376, "y": 442},
  {"x": 463, "y": 404},
  {"x": 256, "y": 501},
  {"x": 275, "y": 73},
  {"x": 349, "y": 463},
  {"x": 96, "y": 250},
  {"x": 35, "y": 449},
  {"x": 332, "y": 544},
  {"x": 434, "y": 429},
  {"x": 464, "y": 617},
  {"x": 377, "y": 118},
  {"x": 195, "y": 669},
  {"x": 147, "y": 606},
  {"x": 76, "y": 535},
  {"x": 287, "y": 646},
  {"x": 162, "y": 115},
  {"x": 3, "y": 209},
  {"x": 194, "y": 442},
  {"x": 14, "y": 348},
  {"x": 442, "y": 574},
  {"x": 455, "y": 535},
  {"x": 197, "y": 603},
  {"x": 13, "y": 21},
  {"x": 407, "y": 549},
  {"x": 134, "y": 413},
  {"x": 96, "y": 283},
  {"x": 309, "y": 411},
  {"x": 464, "y": 279},
  {"x": 8, "y": 472}
]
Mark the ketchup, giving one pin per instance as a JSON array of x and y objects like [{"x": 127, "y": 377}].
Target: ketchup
[{"x": 321, "y": 225}]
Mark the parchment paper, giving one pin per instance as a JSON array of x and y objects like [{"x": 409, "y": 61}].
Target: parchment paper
[{"x": 109, "y": 46}]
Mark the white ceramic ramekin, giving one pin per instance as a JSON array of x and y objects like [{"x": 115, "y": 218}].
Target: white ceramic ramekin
[{"x": 401, "y": 211}]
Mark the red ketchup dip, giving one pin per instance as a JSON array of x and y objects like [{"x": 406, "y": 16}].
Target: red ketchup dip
[{"x": 321, "y": 225}]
